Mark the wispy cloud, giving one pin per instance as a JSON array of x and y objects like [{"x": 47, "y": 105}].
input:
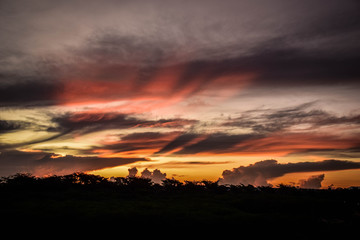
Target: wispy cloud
[
  {"x": 93, "y": 122},
  {"x": 41, "y": 163},
  {"x": 275, "y": 120}
]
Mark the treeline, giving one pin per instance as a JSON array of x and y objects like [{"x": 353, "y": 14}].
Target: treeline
[
  {"x": 80, "y": 179},
  {"x": 135, "y": 201}
]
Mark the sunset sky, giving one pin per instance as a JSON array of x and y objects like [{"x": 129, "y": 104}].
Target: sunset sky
[{"x": 244, "y": 91}]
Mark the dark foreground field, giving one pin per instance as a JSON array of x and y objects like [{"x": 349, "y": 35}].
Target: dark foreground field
[{"x": 95, "y": 201}]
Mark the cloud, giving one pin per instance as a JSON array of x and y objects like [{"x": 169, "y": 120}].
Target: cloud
[
  {"x": 299, "y": 47},
  {"x": 274, "y": 120},
  {"x": 313, "y": 182},
  {"x": 9, "y": 125},
  {"x": 146, "y": 173},
  {"x": 129, "y": 148},
  {"x": 156, "y": 176},
  {"x": 41, "y": 163},
  {"x": 83, "y": 123},
  {"x": 132, "y": 172},
  {"x": 28, "y": 91},
  {"x": 179, "y": 141},
  {"x": 216, "y": 143},
  {"x": 282, "y": 143},
  {"x": 352, "y": 152},
  {"x": 185, "y": 164},
  {"x": 270, "y": 130},
  {"x": 134, "y": 143},
  {"x": 165, "y": 54},
  {"x": 147, "y": 136},
  {"x": 113, "y": 120},
  {"x": 260, "y": 172}
]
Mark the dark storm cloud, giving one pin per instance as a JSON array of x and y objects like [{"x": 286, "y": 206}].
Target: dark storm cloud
[
  {"x": 259, "y": 172},
  {"x": 41, "y": 163}
]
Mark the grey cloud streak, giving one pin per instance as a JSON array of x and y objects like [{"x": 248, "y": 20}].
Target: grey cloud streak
[
  {"x": 273, "y": 120},
  {"x": 92, "y": 122},
  {"x": 10, "y": 125},
  {"x": 177, "y": 142},
  {"x": 216, "y": 143},
  {"x": 42, "y": 163},
  {"x": 63, "y": 126}
]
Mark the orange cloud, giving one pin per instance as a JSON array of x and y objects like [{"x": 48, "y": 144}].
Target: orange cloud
[{"x": 137, "y": 89}]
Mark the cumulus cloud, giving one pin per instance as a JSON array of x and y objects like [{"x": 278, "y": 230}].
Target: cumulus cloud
[
  {"x": 156, "y": 176},
  {"x": 132, "y": 172},
  {"x": 146, "y": 173},
  {"x": 260, "y": 172},
  {"x": 313, "y": 182}
]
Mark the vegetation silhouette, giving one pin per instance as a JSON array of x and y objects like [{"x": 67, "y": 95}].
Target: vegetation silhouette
[{"x": 87, "y": 198}]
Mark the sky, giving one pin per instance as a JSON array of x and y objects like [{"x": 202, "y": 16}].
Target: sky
[{"x": 245, "y": 92}]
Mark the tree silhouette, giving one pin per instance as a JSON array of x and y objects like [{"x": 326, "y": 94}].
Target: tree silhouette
[
  {"x": 138, "y": 183},
  {"x": 87, "y": 197},
  {"x": 172, "y": 184},
  {"x": 20, "y": 179}
]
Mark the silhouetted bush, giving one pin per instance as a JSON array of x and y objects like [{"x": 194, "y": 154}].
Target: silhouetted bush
[
  {"x": 90, "y": 198},
  {"x": 172, "y": 184},
  {"x": 137, "y": 183}
]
